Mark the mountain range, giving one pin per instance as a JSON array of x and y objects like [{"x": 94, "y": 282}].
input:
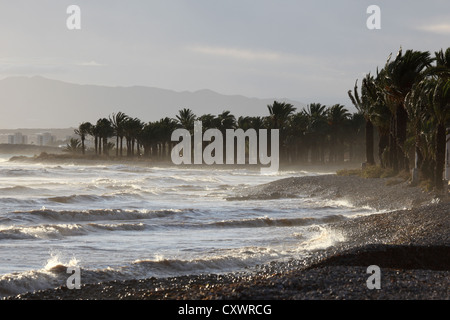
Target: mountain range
[{"x": 38, "y": 102}]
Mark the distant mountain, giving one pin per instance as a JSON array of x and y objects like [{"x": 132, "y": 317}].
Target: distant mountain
[{"x": 37, "y": 102}]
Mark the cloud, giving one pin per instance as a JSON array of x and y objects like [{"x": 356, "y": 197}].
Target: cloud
[
  {"x": 236, "y": 53},
  {"x": 442, "y": 29},
  {"x": 251, "y": 55},
  {"x": 90, "y": 64}
]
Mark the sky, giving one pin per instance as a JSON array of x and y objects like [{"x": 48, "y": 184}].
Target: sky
[{"x": 307, "y": 51}]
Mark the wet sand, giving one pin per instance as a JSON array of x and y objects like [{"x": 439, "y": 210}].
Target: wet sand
[{"x": 411, "y": 246}]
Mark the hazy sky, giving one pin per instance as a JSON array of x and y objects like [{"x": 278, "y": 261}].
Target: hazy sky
[{"x": 309, "y": 51}]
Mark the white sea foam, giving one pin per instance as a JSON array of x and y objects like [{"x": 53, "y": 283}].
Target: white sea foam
[
  {"x": 322, "y": 238},
  {"x": 124, "y": 222}
]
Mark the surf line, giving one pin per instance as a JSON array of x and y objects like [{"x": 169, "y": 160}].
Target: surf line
[{"x": 216, "y": 153}]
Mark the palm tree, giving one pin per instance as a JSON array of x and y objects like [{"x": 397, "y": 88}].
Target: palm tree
[
  {"x": 105, "y": 131},
  {"x": 317, "y": 131},
  {"x": 117, "y": 121},
  {"x": 225, "y": 121},
  {"x": 186, "y": 119},
  {"x": 364, "y": 104},
  {"x": 147, "y": 137},
  {"x": 296, "y": 130},
  {"x": 399, "y": 78},
  {"x": 428, "y": 106},
  {"x": 338, "y": 118},
  {"x": 442, "y": 67},
  {"x": 416, "y": 106},
  {"x": 279, "y": 113},
  {"x": 440, "y": 111},
  {"x": 244, "y": 123},
  {"x": 257, "y": 123},
  {"x": 209, "y": 121},
  {"x": 355, "y": 134},
  {"x": 83, "y": 130},
  {"x": 132, "y": 128},
  {"x": 73, "y": 146},
  {"x": 95, "y": 132},
  {"x": 162, "y": 134}
]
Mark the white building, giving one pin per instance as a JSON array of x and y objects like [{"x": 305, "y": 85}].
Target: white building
[
  {"x": 17, "y": 138},
  {"x": 45, "y": 139}
]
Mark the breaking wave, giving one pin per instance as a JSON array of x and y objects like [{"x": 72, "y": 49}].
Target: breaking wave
[
  {"x": 54, "y": 273},
  {"x": 96, "y": 214},
  {"x": 281, "y": 222},
  {"x": 58, "y": 231}
]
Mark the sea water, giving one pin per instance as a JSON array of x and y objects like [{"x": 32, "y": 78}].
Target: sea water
[{"x": 130, "y": 221}]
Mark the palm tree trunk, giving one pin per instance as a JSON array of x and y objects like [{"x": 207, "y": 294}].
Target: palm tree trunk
[
  {"x": 99, "y": 146},
  {"x": 164, "y": 150},
  {"x": 96, "y": 144},
  {"x": 393, "y": 161},
  {"x": 369, "y": 143},
  {"x": 105, "y": 146},
  {"x": 402, "y": 120},
  {"x": 440, "y": 156},
  {"x": 117, "y": 146},
  {"x": 383, "y": 143},
  {"x": 418, "y": 152},
  {"x": 121, "y": 146},
  {"x": 82, "y": 144}
]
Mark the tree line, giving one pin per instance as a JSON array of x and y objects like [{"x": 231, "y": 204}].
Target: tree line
[
  {"x": 405, "y": 106},
  {"x": 407, "y": 103},
  {"x": 315, "y": 134}
]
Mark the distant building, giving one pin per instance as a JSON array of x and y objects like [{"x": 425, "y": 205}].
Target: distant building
[
  {"x": 17, "y": 138},
  {"x": 45, "y": 139}
]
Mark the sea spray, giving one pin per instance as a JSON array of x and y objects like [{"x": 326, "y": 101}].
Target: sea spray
[{"x": 103, "y": 220}]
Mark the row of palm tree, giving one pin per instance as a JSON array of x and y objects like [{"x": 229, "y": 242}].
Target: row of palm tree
[
  {"x": 317, "y": 133},
  {"x": 407, "y": 103}
]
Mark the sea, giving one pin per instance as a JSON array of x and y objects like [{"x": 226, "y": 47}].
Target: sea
[{"x": 129, "y": 221}]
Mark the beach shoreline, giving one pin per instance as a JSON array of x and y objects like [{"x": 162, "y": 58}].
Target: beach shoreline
[
  {"x": 96, "y": 160},
  {"x": 408, "y": 238}
]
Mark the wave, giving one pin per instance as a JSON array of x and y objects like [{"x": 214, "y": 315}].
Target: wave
[
  {"x": 70, "y": 199},
  {"x": 15, "y": 189},
  {"x": 281, "y": 222},
  {"x": 221, "y": 262},
  {"x": 95, "y": 214},
  {"x": 184, "y": 219},
  {"x": 22, "y": 172},
  {"x": 17, "y": 201},
  {"x": 58, "y": 231},
  {"x": 54, "y": 273},
  {"x": 82, "y": 198}
]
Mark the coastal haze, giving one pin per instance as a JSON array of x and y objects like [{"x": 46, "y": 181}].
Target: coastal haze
[
  {"x": 306, "y": 51},
  {"x": 88, "y": 180},
  {"x": 38, "y": 102}
]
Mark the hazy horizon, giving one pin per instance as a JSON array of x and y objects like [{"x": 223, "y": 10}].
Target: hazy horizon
[
  {"x": 309, "y": 51},
  {"x": 50, "y": 103}
]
